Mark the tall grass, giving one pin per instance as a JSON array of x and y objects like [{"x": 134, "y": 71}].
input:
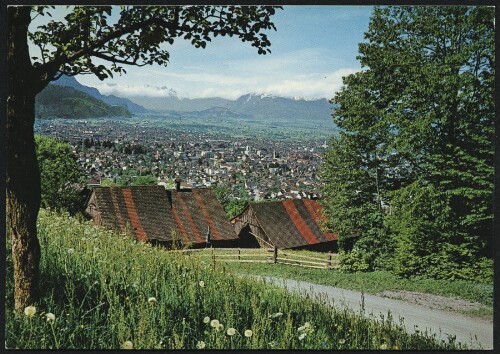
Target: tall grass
[{"x": 106, "y": 291}]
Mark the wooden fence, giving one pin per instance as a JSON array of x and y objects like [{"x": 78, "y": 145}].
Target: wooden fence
[{"x": 265, "y": 255}]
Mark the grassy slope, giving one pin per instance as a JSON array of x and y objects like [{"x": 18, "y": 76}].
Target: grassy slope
[
  {"x": 375, "y": 282},
  {"x": 98, "y": 286}
]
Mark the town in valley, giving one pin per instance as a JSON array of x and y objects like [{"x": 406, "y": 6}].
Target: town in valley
[{"x": 259, "y": 167}]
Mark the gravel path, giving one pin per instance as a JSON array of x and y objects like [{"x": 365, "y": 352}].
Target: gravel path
[{"x": 476, "y": 333}]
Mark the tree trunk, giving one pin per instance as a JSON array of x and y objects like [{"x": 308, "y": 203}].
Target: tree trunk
[{"x": 23, "y": 175}]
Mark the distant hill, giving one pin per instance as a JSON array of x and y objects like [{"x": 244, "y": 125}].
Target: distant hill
[
  {"x": 283, "y": 108},
  {"x": 66, "y": 102},
  {"x": 217, "y": 112},
  {"x": 174, "y": 103},
  {"x": 70, "y": 81}
]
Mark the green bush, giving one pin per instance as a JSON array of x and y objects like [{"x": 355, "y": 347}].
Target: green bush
[{"x": 61, "y": 180}]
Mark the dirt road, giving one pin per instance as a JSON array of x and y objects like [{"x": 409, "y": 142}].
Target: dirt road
[{"x": 476, "y": 333}]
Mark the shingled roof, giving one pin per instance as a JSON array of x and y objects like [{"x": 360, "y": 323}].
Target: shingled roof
[
  {"x": 291, "y": 223},
  {"x": 152, "y": 213},
  {"x": 194, "y": 211}
]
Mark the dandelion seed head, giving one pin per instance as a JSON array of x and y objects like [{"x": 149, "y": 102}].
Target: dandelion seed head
[
  {"x": 71, "y": 250},
  {"x": 200, "y": 345},
  {"x": 231, "y": 331},
  {"x": 214, "y": 323},
  {"x": 302, "y": 336},
  {"x": 206, "y": 320},
  {"x": 30, "y": 311},
  {"x": 50, "y": 317},
  {"x": 275, "y": 315},
  {"x": 248, "y": 333},
  {"x": 220, "y": 327},
  {"x": 128, "y": 345},
  {"x": 202, "y": 284},
  {"x": 341, "y": 341},
  {"x": 152, "y": 300},
  {"x": 383, "y": 346}
]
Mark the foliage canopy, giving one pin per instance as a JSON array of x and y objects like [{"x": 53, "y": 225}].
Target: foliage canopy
[{"x": 412, "y": 169}]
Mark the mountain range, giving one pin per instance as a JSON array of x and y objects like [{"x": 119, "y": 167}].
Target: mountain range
[
  {"x": 260, "y": 106},
  {"x": 257, "y": 106}
]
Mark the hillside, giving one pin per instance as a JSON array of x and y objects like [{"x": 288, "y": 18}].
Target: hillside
[
  {"x": 70, "y": 81},
  {"x": 66, "y": 102},
  {"x": 104, "y": 291}
]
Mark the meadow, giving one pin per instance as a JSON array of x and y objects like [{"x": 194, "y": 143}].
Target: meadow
[{"x": 101, "y": 290}]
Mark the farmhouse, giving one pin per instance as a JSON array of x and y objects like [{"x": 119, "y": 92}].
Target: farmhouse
[
  {"x": 285, "y": 224},
  {"x": 153, "y": 214}
]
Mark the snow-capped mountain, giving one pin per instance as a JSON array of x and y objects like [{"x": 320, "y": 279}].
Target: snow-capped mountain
[{"x": 266, "y": 106}]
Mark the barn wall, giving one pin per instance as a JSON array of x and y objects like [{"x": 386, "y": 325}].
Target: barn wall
[
  {"x": 92, "y": 211},
  {"x": 245, "y": 225}
]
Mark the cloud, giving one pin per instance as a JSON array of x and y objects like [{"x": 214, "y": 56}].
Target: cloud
[
  {"x": 305, "y": 72},
  {"x": 232, "y": 86},
  {"x": 123, "y": 90}
]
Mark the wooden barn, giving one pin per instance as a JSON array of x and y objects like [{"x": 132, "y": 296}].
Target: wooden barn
[
  {"x": 285, "y": 224},
  {"x": 153, "y": 214}
]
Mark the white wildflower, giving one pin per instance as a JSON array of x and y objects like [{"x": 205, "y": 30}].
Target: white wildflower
[
  {"x": 30, "y": 311},
  {"x": 128, "y": 345},
  {"x": 302, "y": 336}
]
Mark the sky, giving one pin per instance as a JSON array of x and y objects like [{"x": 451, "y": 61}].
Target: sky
[{"x": 312, "y": 49}]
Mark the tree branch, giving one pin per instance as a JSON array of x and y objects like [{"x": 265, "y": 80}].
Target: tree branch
[
  {"x": 114, "y": 59},
  {"x": 46, "y": 72}
]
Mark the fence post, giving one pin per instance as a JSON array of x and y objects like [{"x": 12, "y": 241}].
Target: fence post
[
  {"x": 213, "y": 259},
  {"x": 329, "y": 260},
  {"x": 275, "y": 255},
  {"x": 239, "y": 252}
]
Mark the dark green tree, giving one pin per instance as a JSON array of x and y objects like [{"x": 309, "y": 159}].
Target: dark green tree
[
  {"x": 233, "y": 200},
  {"x": 61, "y": 180},
  {"x": 87, "y": 37},
  {"x": 145, "y": 181},
  {"x": 417, "y": 126}
]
